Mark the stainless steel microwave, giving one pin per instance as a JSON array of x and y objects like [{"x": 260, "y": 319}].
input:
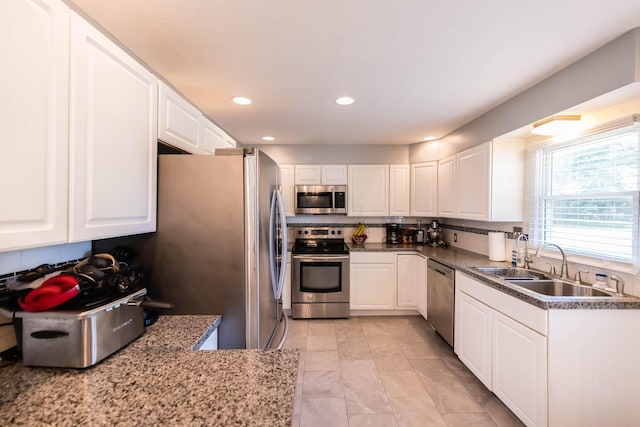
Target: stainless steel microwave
[{"x": 321, "y": 199}]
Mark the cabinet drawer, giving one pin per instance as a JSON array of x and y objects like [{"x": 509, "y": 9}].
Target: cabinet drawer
[
  {"x": 372, "y": 257},
  {"x": 530, "y": 316}
]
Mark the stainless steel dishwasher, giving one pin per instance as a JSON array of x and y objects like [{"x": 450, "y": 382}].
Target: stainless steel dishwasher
[{"x": 440, "y": 298}]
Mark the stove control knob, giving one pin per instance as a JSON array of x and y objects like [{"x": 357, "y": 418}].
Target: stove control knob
[
  {"x": 299, "y": 231},
  {"x": 339, "y": 231},
  {"x": 333, "y": 231},
  {"x": 306, "y": 231}
]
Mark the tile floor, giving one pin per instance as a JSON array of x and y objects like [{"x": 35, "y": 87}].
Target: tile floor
[{"x": 385, "y": 371}]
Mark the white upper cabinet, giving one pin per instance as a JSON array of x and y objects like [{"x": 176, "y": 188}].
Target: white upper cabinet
[
  {"x": 287, "y": 188},
  {"x": 484, "y": 183},
  {"x": 424, "y": 189},
  {"x": 229, "y": 142},
  {"x": 308, "y": 174},
  {"x": 399, "y": 190},
  {"x": 334, "y": 174},
  {"x": 210, "y": 136},
  {"x": 34, "y": 130},
  {"x": 178, "y": 120},
  {"x": 321, "y": 174},
  {"x": 446, "y": 187},
  {"x": 368, "y": 190},
  {"x": 473, "y": 181},
  {"x": 113, "y": 139}
]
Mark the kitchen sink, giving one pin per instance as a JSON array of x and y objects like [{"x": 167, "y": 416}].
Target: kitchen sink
[
  {"x": 558, "y": 288},
  {"x": 510, "y": 273},
  {"x": 542, "y": 283}
]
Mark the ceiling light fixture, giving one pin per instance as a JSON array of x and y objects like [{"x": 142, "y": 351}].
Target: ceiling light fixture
[
  {"x": 558, "y": 125},
  {"x": 345, "y": 100},
  {"x": 268, "y": 138},
  {"x": 241, "y": 100},
  {"x": 430, "y": 138}
]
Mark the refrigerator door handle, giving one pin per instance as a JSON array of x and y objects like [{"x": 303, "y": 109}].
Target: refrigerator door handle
[{"x": 277, "y": 210}]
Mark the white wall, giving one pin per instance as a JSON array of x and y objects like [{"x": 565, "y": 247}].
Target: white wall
[
  {"x": 332, "y": 154},
  {"x": 613, "y": 66},
  {"x": 11, "y": 262}
]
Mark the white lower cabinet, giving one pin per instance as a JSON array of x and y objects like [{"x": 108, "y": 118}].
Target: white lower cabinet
[
  {"x": 519, "y": 369},
  {"x": 473, "y": 338},
  {"x": 421, "y": 292},
  {"x": 503, "y": 341},
  {"x": 409, "y": 274},
  {"x": 372, "y": 281}
]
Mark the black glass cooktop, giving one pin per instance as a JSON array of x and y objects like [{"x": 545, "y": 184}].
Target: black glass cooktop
[{"x": 320, "y": 246}]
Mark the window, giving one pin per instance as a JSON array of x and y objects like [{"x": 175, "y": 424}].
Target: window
[{"x": 585, "y": 195}]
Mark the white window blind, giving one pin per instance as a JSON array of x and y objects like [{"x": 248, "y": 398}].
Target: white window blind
[{"x": 586, "y": 195}]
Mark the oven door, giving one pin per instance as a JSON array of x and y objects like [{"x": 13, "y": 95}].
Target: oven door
[{"x": 319, "y": 278}]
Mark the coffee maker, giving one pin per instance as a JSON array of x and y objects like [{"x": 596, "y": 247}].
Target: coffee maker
[
  {"x": 434, "y": 233},
  {"x": 393, "y": 233}
]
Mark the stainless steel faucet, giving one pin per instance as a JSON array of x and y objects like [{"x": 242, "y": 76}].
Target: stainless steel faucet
[
  {"x": 564, "y": 270},
  {"x": 619, "y": 284},
  {"x": 527, "y": 258}
]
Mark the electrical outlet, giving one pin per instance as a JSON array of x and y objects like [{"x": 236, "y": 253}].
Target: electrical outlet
[{"x": 455, "y": 237}]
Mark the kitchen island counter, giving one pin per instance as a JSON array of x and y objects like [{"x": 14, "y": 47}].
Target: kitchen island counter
[{"x": 159, "y": 379}]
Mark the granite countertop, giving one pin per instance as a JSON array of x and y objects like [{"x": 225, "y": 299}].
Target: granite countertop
[
  {"x": 463, "y": 261},
  {"x": 158, "y": 380}
]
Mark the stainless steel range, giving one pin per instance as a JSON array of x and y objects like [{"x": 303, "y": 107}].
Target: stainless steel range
[{"x": 320, "y": 274}]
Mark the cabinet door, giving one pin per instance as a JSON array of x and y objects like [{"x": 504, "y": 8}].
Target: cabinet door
[
  {"x": 288, "y": 189},
  {"x": 113, "y": 146},
  {"x": 368, "y": 190},
  {"x": 210, "y": 136},
  {"x": 520, "y": 369},
  {"x": 447, "y": 187},
  {"x": 408, "y": 275},
  {"x": 372, "y": 286},
  {"x": 308, "y": 174},
  {"x": 230, "y": 142},
  {"x": 34, "y": 134},
  {"x": 424, "y": 189},
  {"x": 473, "y": 182},
  {"x": 421, "y": 292},
  {"x": 334, "y": 175},
  {"x": 473, "y": 336},
  {"x": 178, "y": 120},
  {"x": 399, "y": 190}
]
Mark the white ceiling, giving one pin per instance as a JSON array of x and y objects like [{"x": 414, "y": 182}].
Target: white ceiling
[{"x": 415, "y": 67}]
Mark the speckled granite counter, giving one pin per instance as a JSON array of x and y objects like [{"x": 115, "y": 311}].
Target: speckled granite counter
[
  {"x": 462, "y": 260},
  {"x": 157, "y": 380}
]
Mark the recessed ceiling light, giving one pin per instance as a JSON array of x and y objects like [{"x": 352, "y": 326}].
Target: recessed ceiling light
[
  {"x": 268, "y": 138},
  {"x": 558, "y": 125},
  {"x": 430, "y": 138},
  {"x": 345, "y": 100},
  {"x": 241, "y": 100}
]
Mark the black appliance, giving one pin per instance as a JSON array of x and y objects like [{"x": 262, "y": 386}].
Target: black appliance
[{"x": 393, "y": 234}]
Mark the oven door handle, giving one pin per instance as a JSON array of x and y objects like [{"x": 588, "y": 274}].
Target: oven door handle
[{"x": 320, "y": 258}]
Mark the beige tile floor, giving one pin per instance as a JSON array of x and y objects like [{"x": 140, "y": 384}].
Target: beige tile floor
[{"x": 385, "y": 371}]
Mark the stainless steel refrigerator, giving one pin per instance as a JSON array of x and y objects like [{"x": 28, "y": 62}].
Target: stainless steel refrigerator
[{"x": 220, "y": 246}]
